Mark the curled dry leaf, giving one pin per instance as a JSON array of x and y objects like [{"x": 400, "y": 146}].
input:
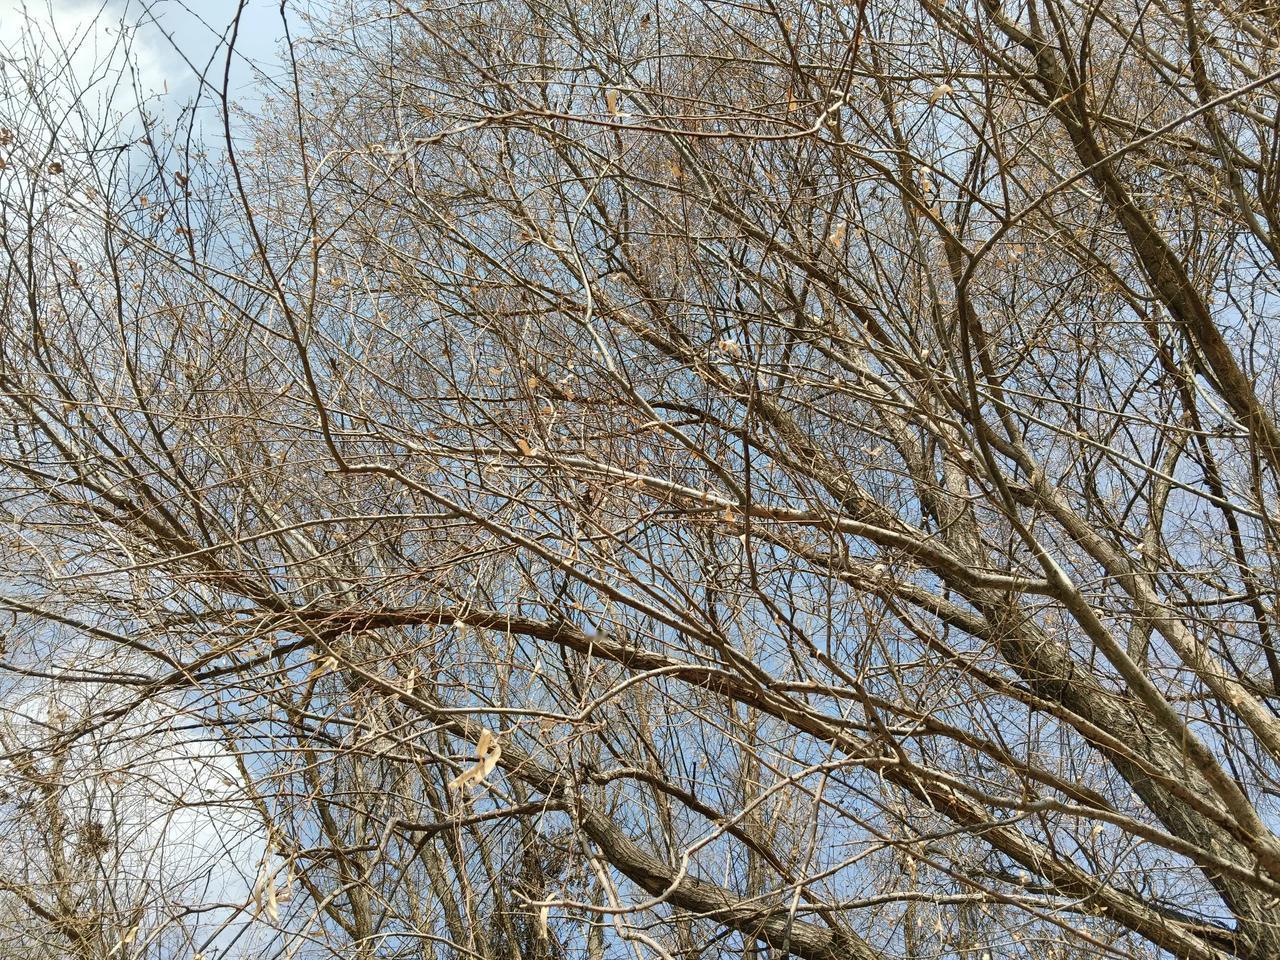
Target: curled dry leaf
[
  {"x": 327, "y": 665},
  {"x": 125, "y": 940},
  {"x": 273, "y": 908},
  {"x": 266, "y": 896},
  {"x": 523, "y": 446},
  {"x": 260, "y": 889},
  {"x": 611, "y": 98},
  {"x": 731, "y": 348},
  {"x": 940, "y": 91},
  {"x": 488, "y": 751}
]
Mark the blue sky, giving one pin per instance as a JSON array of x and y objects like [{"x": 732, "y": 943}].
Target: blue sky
[
  {"x": 167, "y": 37},
  {"x": 180, "y": 813}
]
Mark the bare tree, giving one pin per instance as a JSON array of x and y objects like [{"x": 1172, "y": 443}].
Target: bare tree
[{"x": 675, "y": 481}]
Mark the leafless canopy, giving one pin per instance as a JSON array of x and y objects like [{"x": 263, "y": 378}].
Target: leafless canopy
[{"x": 685, "y": 480}]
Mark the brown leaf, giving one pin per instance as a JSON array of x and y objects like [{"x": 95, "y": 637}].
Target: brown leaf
[
  {"x": 273, "y": 909},
  {"x": 125, "y": 940},
  {"x": 489, "y": 752},
  {"x": 326, "y": 665}
]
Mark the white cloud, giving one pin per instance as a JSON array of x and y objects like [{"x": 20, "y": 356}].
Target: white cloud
[
  {"x": 96, "y": 62},
  {"x": 83, "y": 49},
  {"x": 172, "y": 812}
]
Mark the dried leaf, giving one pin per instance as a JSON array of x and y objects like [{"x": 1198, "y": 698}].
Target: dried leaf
[
  {"x": 837, "y": 235},
  {"x": 260, "y": 888},
  {"x": 489, "y": 751},
  {"x": 273, "y": 909},
  {"x": 731, "y": 348},
  {"x": 940, "y": 91},
  {"x": 125, "y": 940},
  {"x": 327, "y": 665},
  {"x": 544, "y": 915},
  {"x": 523, "y": 446},
  {"x": 611, "y": 98},
  {"x": 465, "y": 779},
  {"x": 489, "y": 761}
]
